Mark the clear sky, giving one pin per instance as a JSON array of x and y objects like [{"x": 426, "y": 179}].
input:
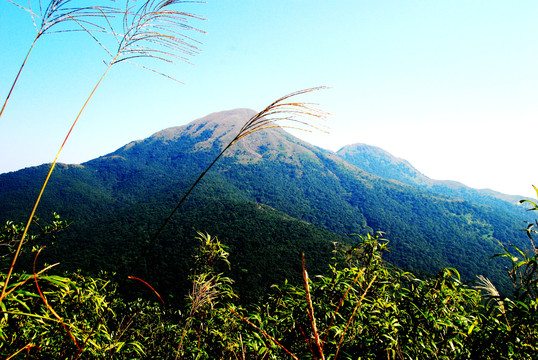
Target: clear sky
[{"x": 450, "y": 86}]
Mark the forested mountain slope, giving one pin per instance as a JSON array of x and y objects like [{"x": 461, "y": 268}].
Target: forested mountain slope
[{"x": 270, "y": 198}]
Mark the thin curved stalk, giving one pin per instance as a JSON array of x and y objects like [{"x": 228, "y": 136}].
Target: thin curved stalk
[
  {"x": 50, "y": 307},
  {"x": 148, "y": 285},
  {"x": 26, "y": 347},
  {"x": 352, "y": 316},
  {"x": 310, "y": 310},
  {"x": 17, "y": 77},
  {"x": 360, "y": 273},
  {"x": 264, "y": 333}
]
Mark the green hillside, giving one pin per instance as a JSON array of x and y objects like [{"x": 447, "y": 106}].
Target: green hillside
[{"x": 270, "y": 198}]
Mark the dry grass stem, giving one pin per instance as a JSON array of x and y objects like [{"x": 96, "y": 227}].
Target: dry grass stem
[
  {"x": 61, "y": 12},
  {"x": 148, "y": 285},
  {"x": 361, "y": 272},
  {"x": 203, "y": 292},
  {"x": 50, "y": 307},
  {"x": 352, "y": 316},
  {"x": 28, "y": 279},
  {"x": 490, "y": 292},
  {"x": 26, "y": 347},
  {"x": 310, "y": 310},
  {"x": 156, "y": 31},
  {"x": 291, "y": 115}
]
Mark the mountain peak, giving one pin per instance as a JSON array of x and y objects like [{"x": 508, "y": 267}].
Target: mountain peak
[
  {"x": 219, "y": 123},
  {"x": 218, "y": 129}
]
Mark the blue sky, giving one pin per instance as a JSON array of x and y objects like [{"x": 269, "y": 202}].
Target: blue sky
[{"x": 450, "y": 86}]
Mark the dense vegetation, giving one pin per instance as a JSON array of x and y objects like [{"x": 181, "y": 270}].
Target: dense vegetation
[{"x": 362, "y": 308}]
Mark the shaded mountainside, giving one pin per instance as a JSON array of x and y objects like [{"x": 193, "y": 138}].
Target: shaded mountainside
[{"x": 271, "y": 198}]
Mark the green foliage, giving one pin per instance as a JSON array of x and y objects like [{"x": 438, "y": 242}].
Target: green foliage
[
  {"x": 11, "y": 234},
  {"x": 206, "y": 311},
  {"x": 50, "y": 316},
  {"x": 363, "y": 308},
  {"x": 509, "y": 327},
  {"x": 368, "y": 310}
]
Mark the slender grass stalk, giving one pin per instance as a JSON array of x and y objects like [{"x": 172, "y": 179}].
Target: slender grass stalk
[
  {"x": 26, "y": 347},
  {"x": 17, "y": 77},
  {"x": 352, "y": 316},
  {"x": 148, "y": 285},
  {"x": 203, "y": 292},
  {"x": 29, "y": 278},
  {"x": 183, "y": 335},
  {"x": 310, "y": 310},
  {"x": 361, "y": 272},
  {"x": 491, "y": 293},
  {"x": 153, "y": 26},
  {"x": 30, "y": 218},
  {"x": 307, "y": 341},
  {"x": 243, "y": 352},
  {"x": 311, "y": 315}
]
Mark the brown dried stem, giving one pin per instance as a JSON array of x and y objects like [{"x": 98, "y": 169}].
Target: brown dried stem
[
  {"x": 310, "y": 310},
  {"x": 361, "y": 272},
  {"x": 352, "y": 316},
  {"x": 50, "y": 307}
]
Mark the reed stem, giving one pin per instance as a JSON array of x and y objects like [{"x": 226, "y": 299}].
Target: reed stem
[{"x": 17, "y": 77}]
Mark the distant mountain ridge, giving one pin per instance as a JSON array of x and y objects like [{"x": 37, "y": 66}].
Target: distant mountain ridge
[
  {"x": 383, "y": 164},
  {"x": 271, "y": 194}
]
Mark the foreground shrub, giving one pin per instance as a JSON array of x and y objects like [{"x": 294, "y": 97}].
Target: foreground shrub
[{"x": 363, "y": 308}]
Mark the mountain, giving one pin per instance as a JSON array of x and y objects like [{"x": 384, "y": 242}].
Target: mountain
[
  {"x": 385, "y": 165},
  {"x": 381, "y": 163},
  {"x": 270, "y": 198}
]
